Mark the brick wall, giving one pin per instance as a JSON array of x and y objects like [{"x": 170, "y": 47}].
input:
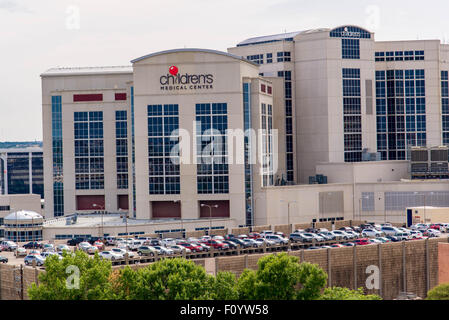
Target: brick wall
[{"x": 239, "y": 231}]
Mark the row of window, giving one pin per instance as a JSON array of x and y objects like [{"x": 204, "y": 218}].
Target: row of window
[
  {"x": 445, "y": 106},
  {"x": 288, "y": 98},
  {"x": 352, "y": 120},
  {"x": 163, "y": 158},
  {"x": 283, "y": 56},
  {"x": 121, "y": 135},
  {"x": 400, "y": 55},
  {"x": 58, "y": 179}
]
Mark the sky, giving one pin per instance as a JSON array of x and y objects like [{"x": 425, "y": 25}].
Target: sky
[{"x": 38, "y": 35}]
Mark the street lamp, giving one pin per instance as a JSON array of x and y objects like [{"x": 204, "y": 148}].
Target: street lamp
[
  {"x": 210, "y": 214},
  {"x": 102, "y": 213},
  {"x": 288, "y": 213},
  {"x": 126, "y": 220}
]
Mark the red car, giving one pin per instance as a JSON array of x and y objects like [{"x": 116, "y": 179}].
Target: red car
[
  {"x": 192, "y": 247},
  {"x": 435, "y": 226},
  {"x": 217, "y": 244},
  {"x": 254, "y": 235},
  {"x": 362, "y": 242}
]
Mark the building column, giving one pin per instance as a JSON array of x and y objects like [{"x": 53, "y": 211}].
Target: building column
[{"x": 30, "y": 171}]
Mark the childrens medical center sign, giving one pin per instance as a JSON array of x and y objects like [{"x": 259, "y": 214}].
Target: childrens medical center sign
[{"x": 178, "y": 81}]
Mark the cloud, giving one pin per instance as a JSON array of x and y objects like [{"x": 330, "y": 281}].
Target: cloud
[{"x": 13, "y": 6}]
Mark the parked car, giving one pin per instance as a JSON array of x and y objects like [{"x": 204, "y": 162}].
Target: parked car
[
  {"x": 135, "y": 244},
  {"x": 205, "y": 247},
  {"x": 301, "y": 237},
  {"x": 63, "y": 247},
  {"x": 313, "y": 248},
  {"x": 110, "y": 241},
  {"x": 48, "y": 247},
  {"x": 375, "y": 241},
  {"x": 389, "y": 230},
  {"x": 123, "y": 252},
  {"x": 278, "y": 239},
  {"x": 30, "y": 258},
  {"x": 100, "y": 245},
  {"x": 348, "y": 244},
  {"x": 432, "y": 233},
  {"x": 342, "y": 235},
  {"x": 264, "y": 233},
  {"x": 265, "y": 241},
  {"x": 218, "y": 245},
  {"x": 362, "y": 242},
  {"x": 110, "y": 255},
  {"x": 20, "y": 252},
  {"x": 192, "y": 247},
  {"x": 34, "y": 253},
  {"x": 321, "y": 230},
  {"x": 336, "y": 245},
  {"x": 383, "y": 239},
  {"x": 328, "y": 235},
  {"x": 178, "y": 249},
  {"x": 8, "y": 246},
  {"x": 75, "y": 241},
  {"x": 254, "y": 235},
  {"x": 3, "y": 259},
  {"x": 240, "y": 242},
  {"x": 346, "y": 229},
  {"x": 147, "y": 251},
  {"x": 419, "y": 226},
  {"x": 47, "y": 254},
  {"x": 163, "y": 250},
  {"x": 219, "y": 238},
  {"x": 168, "y": 242},
  {"x": 253, "y": 243},
  {"x": 87, "y": 247},
  {"x": 371, "y": 233},
  {"x": 233, "y": 245},
  {"x": 92, "y": 240},
  {"x": 354, "y": 234},
  {"x": 393, "y": 238},
  {"x": 33, "y": 245},
  {"x": 242, "y": 236},
  {"x": 205, "y": 238},
  {"x": 312, "y": 230},
  {"x": 415, "y": 234}
]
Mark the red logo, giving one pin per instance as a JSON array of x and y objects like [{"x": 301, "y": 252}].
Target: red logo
[{"x": 173, "y": 70}]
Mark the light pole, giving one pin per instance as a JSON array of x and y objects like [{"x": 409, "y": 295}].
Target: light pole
[
  {"x": 126, "y": 220},
  {"x": 210, "y": 214},
  {"x": 102, "y": 213},
  {"x": 288, "y": 213}
]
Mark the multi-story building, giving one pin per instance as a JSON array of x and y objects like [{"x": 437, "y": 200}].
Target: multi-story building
[
  {"x": 117, "y": 138},
  {"x": 351, "y": 94},
  {"x": 153, "y": 138},
  {"x": 22, "y": 171}
]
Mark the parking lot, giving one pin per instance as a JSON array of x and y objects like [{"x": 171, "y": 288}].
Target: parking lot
[{"x": 219, "y": 246}]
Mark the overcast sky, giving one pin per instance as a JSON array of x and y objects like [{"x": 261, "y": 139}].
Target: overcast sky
[{"x": 38, "y": 35}]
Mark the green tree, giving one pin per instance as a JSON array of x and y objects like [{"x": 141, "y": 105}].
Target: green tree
[
  {"x": 281, "y": 277},
  {"x": 167, "y": 279},
  {"x": 440, "y": 292},
  {"x": 223, "y": 287},
  {"x": 60, "y": 275},
  {"x": 337, "y": 293}
]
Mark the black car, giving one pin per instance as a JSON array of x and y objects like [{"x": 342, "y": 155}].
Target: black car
[
  {"x": 242, "y": 243},
  {"x": 232, "y": 245},
  {"x": 3, "y": 259},
  {"x": 33, "y": 245},
  {"x": 75, "y": 241},
  {"x": 92, "y": 240},
  {"x": 155, "y": 242}
]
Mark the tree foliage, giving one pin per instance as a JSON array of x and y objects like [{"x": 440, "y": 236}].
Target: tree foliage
[
  {"x": 440, "y": 292},
  {"x": 93, "y": 278},
  {"x": 281, "y": 277},
  {"x": 278, "y": 277}
]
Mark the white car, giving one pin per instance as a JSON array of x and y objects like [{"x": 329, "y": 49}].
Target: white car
[
  {"x": 111, "y": 241},
  {"x": 266, "y": 241},
  {"x": 47, "y": 254},
  {"x": 87, "y": 247},
  {"x": 63, "y": 247},
  {"x": 371, "y": 233},
  {"x": 163, "y": 250},
  {"x": 375, "y": 241},
  {"x": 264, "y": 233},
  {"x": 252, "y": 243},
  {"x": 179, "y": 249},
  {"x": 277, "y": 239},
  {"x": 110, "y": 255},
  {"x": 220, "y": 238},
  {"x": 168, "y": 242},
  {"x": 415, "y": 234},
  {"x": 433, "y": 233},
  {"x": 390, "y": 231},
  {"x": 354, "y": 234},
  {"x": 123, "y": 252},
  {"x": 135, "y": 244},
  {"x": 8, "y": 246},
  {"x": 342, "y": 235},
  {"x": 419, "y": 226}
]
